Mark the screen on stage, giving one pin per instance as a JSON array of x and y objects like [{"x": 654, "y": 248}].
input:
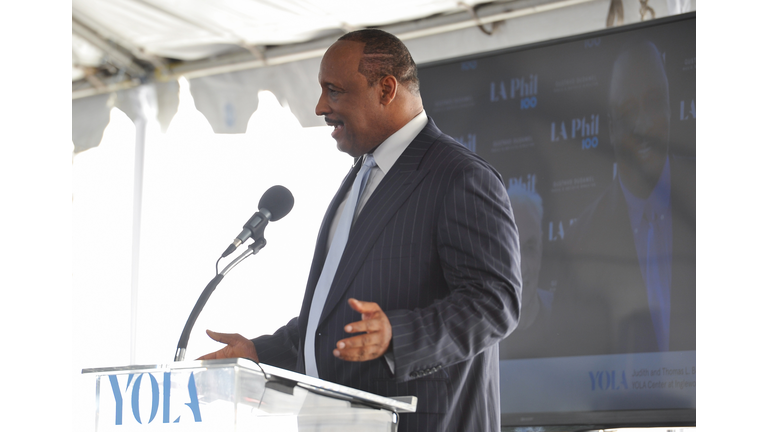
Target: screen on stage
[{"x": 595, "y": 137}]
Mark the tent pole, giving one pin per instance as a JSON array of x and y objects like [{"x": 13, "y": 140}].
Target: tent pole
[{"x": 138, "y": 187}]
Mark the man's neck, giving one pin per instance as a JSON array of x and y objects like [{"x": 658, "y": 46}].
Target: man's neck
[{"x": 638, "y": 181}]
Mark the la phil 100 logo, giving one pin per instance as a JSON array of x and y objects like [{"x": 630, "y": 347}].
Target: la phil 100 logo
[
  {"x": 587, "y": 128},
  {"x": 524, "y": 88}
]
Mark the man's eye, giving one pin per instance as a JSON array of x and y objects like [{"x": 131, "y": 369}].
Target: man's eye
[{"x": 628, "y": 112}]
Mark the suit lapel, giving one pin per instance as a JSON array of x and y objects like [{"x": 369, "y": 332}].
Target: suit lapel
[
  {"x": 318, "y": 260},
  {"x": 386, "y": 200}
]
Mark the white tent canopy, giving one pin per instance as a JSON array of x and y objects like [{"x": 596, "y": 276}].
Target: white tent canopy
[{"x": 230, "y": 50}]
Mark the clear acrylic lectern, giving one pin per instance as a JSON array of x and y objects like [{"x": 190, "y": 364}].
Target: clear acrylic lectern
[{"x": 234, "y": 395}]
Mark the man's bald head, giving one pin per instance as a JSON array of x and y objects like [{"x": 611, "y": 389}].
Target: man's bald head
[
  {"x": 384, "y": 54},
  {"x": 639, "y": 66}
]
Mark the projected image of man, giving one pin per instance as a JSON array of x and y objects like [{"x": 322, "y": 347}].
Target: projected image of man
[{"x": 630, "y": 256}]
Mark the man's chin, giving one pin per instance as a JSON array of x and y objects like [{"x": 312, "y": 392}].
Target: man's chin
[
  {"x": 345, "y": 147},
  {"x": 649, "y": 152},
  {"x": 647, "y": 157}
]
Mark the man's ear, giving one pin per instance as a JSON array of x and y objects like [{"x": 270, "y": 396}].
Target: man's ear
[{"x": 389, "y": 88}]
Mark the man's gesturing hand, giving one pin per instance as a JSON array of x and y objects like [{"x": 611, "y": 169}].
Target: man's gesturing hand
[
  {"x": 237, "y": 346},
  {"x": 377, "y": 334}
]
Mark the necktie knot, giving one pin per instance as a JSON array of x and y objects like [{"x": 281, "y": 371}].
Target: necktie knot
[
  {"x": 649, "y": 214},
  {"x": 369, "y": 161},
  {"x": 362, "y": 178}
]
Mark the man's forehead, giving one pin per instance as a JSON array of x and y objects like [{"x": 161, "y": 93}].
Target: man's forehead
[
  {"x": 343, "y": 51},
  {"x": 347, "y": 45},
  {"x": 642, "y": 60},
  {"x": 637, "y": 73},
  {"x": 341, "y": 57},
  {"x": 342, "y": 54}
]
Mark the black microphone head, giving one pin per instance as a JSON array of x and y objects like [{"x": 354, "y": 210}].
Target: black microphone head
[{"x": 278, "y": 200}]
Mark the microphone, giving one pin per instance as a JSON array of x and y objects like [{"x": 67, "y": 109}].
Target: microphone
[{"x": 276, "y": 202}]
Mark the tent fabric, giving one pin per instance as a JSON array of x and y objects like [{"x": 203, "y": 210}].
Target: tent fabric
[
  {"x": 90, "y": 117},
  {"x": 200, "y": 29},
  {"x": 295, "y": 85},
  {"x": 679, "y": 6},
  {"x": 165, "y": 31},
  {"x": 197, "y": 29},
  {"x": 228, "y": 100},
  {"x": 167, "y": 102},
  {"x": 138, "y": 103}
]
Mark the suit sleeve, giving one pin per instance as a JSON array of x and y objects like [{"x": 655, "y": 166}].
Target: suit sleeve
[
  {"x": 477, "y": 243},
  {"x": 281, "y": 348}
]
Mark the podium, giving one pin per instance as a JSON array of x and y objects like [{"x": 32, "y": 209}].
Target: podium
[{"x": 234, "y": 395}]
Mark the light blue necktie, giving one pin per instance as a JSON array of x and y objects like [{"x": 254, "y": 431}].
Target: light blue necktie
[
  {"x": 658, "y": 278},
  {"x": 338, "y": 244}
]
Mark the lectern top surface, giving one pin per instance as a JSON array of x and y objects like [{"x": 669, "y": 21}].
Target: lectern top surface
[{"x": 401, "y": 404}]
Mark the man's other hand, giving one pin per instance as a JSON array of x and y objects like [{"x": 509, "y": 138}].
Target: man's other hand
[
  {"x": 376, "y": 329},
  {"x": 237, "y": 346}
]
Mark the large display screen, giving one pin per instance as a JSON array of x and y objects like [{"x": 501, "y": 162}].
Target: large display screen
[{"x": 596, "y": 138}]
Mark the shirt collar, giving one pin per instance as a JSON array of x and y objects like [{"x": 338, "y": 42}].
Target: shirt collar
[
  {"x": 387, "y": 153},
  {"x": 657, "y": 201}
]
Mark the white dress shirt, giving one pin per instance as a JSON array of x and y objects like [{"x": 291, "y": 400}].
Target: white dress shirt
[
  {"x": 386, "y": 154},
  {"x": 653, "y": 216}
]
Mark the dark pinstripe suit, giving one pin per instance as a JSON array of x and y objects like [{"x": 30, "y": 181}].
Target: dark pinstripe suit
[{"x": 436, "y": 247}]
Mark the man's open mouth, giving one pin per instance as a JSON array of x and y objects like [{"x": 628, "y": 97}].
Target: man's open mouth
[{"x": 337, "y": 126}]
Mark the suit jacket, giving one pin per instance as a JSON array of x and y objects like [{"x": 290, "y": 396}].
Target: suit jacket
[
  {"x": 601, "y": 305},
  {"x": 436, "y": 247}
]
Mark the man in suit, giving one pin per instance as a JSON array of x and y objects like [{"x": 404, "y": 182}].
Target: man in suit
[
  {"x": 630, "y": 263},
  {"x": 426, "y": 282}
]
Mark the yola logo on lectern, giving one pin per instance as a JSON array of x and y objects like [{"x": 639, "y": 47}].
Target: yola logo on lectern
[{"x": 131, "y": 392}]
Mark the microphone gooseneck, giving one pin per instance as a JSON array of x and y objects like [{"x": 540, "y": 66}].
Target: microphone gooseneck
[{"x": 276, "y": 202}]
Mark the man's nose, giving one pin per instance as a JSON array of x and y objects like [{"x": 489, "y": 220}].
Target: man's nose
[
  {"x": 644, "y": 121},
  {"x": 321, "y": 108}
]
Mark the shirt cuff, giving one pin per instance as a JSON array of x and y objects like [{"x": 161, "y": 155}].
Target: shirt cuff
[{"x": 389, "y": 356}]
